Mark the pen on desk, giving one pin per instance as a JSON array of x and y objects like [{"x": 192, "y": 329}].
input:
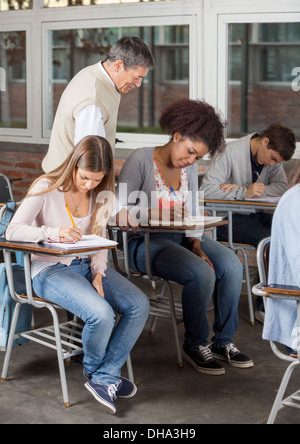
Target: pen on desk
[
  {"x": 258, "y": 177},
  {"x": 72, "y": 220}
]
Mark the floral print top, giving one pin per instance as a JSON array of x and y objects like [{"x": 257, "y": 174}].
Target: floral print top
[{"x": 165, "y": 196}]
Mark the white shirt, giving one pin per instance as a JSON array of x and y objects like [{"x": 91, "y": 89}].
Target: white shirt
[{"x": 89, "y": 122}]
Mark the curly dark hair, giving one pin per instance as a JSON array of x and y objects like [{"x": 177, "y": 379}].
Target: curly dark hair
[{"x": 196, "y": 120}]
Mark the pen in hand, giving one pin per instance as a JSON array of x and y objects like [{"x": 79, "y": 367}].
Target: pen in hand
[
  {"x": 178, "y": 200},
  {"x": 258, "y": 177},
  {"x": 176, "y": 197},
  {"x": 72, "y": 220}
]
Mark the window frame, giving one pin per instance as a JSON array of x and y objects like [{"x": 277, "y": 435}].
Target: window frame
[
  {"x": 208, "y": 37},
  {"x": 218, "y": 16},
  {"x": 22, "y": 132},
  {"x": 40, "y": 19},
  {"x": 128, "y": 139}
]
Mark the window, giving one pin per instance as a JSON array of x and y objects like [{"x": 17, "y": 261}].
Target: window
[
  {"x": 12, "y": 5},
  {"x": 73, "y": 49},
  {"x": 13, "y": 103},
  {"x": 64, "y": 3},
  {"x": 261, "y": 62}
]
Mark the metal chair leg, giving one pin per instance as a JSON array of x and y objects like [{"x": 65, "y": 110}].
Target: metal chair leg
[
  {"x": 248, "y": 283},
  {"x": 61, "y": 365},
  {"x": 10, "y": 341},
  {"x": 281, "y": 391},
  {"x": 130, "y": 369},
  {"x": 175, "y": 327}
]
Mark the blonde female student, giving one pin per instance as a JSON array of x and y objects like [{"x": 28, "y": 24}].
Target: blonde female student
[{"x": 85, "y": 287}]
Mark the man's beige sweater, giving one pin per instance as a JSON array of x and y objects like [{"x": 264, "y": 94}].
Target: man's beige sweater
[{"x": 90, "y": 86}]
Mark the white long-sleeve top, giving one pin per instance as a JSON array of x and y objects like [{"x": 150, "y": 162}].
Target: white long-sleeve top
[{"x": 40, "y": 217}]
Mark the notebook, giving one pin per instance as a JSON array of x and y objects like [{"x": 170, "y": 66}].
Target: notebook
[
  {"x": 188, "y": 221},
  {"x": 87, "y": 241}
]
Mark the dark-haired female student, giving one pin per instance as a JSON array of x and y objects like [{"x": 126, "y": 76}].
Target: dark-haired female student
[{"x": 201, "y": 265}]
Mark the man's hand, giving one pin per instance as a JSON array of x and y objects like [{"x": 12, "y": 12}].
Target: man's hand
[
  {"x": 255, "y": 190},
  {"x": 228, "y": 187}
]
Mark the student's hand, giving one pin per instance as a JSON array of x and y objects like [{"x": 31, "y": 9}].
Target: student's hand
[
  {"x": 196, "y": 248},
  {"x": 125, "y": 220},
  {"x": 255, "y": 190},
  {"x": 228, "y": 187},
  {"x": 70, "y": 234},
  {"x": 97, "y": 284}
]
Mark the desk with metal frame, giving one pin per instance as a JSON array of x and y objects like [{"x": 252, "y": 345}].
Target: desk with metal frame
[
  {"x": 27, "y": 249},
  {"x": 159, "y": 308},
  {"x": 239, "y": 207}
]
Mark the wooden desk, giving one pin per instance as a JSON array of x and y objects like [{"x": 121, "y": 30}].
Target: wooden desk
[
  {"x": 37, "y": 248},
  {"x": 147, "y": 230},
  {"x": 48, "y": 336},
  {"x": 239, "y": 207},
  {"x": 236, "y": 207},
  {"x": 282, "y": 292},
  {"x": 160, "y": 305}
]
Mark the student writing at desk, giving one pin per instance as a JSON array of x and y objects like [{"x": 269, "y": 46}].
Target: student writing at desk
[
  {"x": 284, "y": 269},
  {"x": 83, "y": 286},
  {"x": 203, "y": 266},
  {"x": 251, "y": 167}
]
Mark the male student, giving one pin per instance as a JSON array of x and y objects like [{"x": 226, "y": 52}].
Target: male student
[{"x": 251, "y": 167}]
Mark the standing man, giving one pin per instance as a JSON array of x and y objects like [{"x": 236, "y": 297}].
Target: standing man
[
  {"x": 251, "y": 167},
  {"x": 90, "y": 103}
]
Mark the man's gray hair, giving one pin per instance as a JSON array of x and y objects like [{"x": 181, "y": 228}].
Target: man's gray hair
[{"x": 133, "y": 51}]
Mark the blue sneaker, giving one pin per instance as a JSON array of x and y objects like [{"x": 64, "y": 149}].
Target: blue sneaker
[
  {"x": 125, "y": 388},
  {"x": 105, "y": 394}
]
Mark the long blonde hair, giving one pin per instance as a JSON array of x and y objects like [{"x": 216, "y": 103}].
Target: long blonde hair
[{"x": 93, "y": 154}]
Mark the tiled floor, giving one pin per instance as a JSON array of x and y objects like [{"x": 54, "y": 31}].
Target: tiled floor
[{"x": 166, "y": 393}]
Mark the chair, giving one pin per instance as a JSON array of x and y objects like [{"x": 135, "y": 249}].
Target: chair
[
  {"x": 63, "y": 337},
  {"x": 243, "y": 248},
  {"x": 279, "y": 292},
  {"x": 162, "y": 305},
  {"x": 6, "y": 194}
]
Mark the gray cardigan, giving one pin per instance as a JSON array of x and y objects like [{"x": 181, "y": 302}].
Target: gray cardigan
[
  {"x": 234, "y": 166},
  {"x": 137, "y": 188}
]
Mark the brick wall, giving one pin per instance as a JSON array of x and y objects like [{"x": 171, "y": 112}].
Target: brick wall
[{"x": 22, "y": 169}]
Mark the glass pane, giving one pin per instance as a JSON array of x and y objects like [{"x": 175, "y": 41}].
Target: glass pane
[
  {"x": 263, "y": 61},
  {"x": 13, "y": 80},
  {"x": 64, "y": 3},
  {"x": 11, "y": 5},
  {"x": 140, "y": 109}
]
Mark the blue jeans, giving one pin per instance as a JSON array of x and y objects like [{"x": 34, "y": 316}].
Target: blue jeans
[
  {"x": 172, "y": 259},
  {"x": 106, "y": 346},
  {"x": 247, "y": 228}
]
